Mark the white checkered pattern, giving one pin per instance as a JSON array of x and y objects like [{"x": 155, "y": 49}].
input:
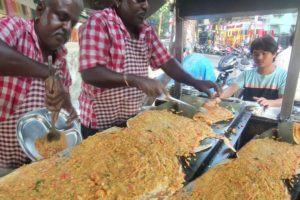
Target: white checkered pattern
[
  {"x": 103, "y": 42},
  {"x": 11, "y": 154},
  {"x": 114, "y": 106}
]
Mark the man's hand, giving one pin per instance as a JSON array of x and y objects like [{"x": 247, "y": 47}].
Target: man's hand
[
  {"x": 57, "y": 98},
  {"x": 55, "y": 93},
  {"x": 204, "y": 86},
  {"x": 70, "y": 109},
  {"x": 152, "y": 88}
]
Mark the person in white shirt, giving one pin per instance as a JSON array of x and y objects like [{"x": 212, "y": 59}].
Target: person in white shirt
[{"x": 283, "y": 58}]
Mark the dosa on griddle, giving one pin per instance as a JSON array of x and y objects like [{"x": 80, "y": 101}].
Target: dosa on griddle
[
  {"x": 258, "y": 173},
  {"x": 214, "y": 114},
  {"x": 182, "y": 134}
]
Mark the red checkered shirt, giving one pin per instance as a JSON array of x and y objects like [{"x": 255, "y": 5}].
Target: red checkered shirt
[
  {"x": 20, "y": 34},
  {"x": 102, "y": 42}
]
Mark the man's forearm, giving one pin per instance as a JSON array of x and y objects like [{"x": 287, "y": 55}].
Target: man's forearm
[
  {"x": 276, "y": 102},
  {"x": 228, "y": 92},
  {"x": 102, "y": 77},
  {"x": 14, "y": 63}
]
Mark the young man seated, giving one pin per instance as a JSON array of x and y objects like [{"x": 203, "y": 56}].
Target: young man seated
[{"x": 264, "y": 84}]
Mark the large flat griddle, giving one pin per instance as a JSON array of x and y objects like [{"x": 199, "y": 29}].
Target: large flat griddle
[{"x": 218, "y": 152}]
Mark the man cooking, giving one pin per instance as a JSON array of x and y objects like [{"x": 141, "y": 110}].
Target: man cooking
[
  {"x": 25, "y": 46},
  {"x": 116, "y": 48}
]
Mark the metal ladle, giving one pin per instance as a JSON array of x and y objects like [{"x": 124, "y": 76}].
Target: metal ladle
[{"x": 53, "y": 134}]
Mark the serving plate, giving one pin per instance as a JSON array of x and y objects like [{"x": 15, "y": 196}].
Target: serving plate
[{"x": 37, "y": 123}]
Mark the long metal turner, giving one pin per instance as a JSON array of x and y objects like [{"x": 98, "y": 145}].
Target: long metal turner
[
  {"x": 53, "y": 134},
  {"x": 200, "y": 109}
]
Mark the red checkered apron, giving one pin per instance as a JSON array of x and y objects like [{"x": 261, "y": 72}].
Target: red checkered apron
[
  {"x": 11, "y": 154},
  {"x": 114, "y": 106}
]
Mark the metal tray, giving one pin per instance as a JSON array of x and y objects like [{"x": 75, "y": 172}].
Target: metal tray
[
  {"x": 203, "y": 160},
  {"x": 258, "y": 111},
  {"x": 36, "y": 124},
  {"x": 237, "y": 107}
]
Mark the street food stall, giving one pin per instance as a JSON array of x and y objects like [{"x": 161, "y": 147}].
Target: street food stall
[
  {"x": 191, "y": 10},
  {"x": 261, "y": 122},
  {"x": 165, "y": 148}
]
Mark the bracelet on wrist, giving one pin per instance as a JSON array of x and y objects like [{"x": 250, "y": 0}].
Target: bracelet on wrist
[{"x": 125, "y": 80}]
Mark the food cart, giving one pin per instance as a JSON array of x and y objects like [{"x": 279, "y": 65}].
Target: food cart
[
  {"x": 257, "y": 124},
  {"x": 196, "y": 10},
  {"x": 245, "y": 124},
  {"x": 242, "y": 121}
]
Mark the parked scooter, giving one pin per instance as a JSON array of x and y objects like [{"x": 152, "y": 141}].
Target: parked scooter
[
  {"x": 204, "y": 48},
  {"x": 226, "y": 65},
  {"x": 230, "y": 67}
]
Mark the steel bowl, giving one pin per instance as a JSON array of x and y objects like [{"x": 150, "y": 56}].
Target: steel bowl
[{"x": 36, "y": 124}]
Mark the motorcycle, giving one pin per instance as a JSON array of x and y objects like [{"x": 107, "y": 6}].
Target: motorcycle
[
  {"x": 226, "y": 66},
  {"x": 230, "y": 67}
]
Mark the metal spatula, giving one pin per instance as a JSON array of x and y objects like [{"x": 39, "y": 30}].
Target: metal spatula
[
  {"x": 53, "y": 134},
  {"x": 200, "y": 109}
]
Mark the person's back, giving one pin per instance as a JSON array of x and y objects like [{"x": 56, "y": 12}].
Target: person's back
[
  {"x": 199, "y": 67},
  {"x": 283, "y": 58}
]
